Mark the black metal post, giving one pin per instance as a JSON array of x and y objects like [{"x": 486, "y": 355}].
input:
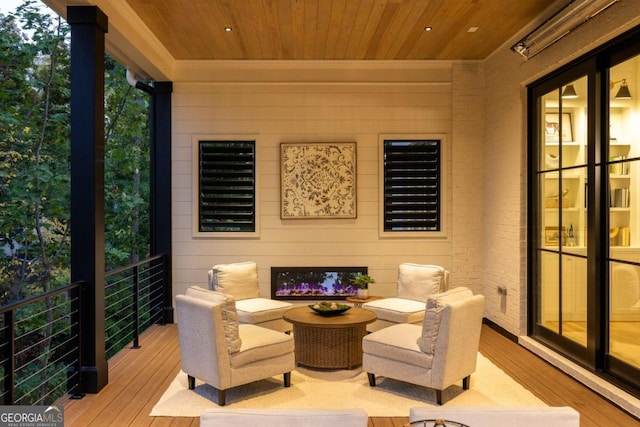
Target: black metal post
[
  {"x": 136, "y": 307},
  {"x": 88, "y": 28},
  {"x": 9, "y": 363},
  {"x": 160, "y": 176},
  {"x": 74, "y": 386}
]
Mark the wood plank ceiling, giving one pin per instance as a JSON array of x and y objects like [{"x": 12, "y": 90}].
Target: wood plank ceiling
[{"x": 335, "y": 29}]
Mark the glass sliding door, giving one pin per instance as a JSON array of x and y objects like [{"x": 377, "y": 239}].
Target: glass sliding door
[
  {"x": 623, "y": 170},
  {"x": 562, "y": 216},
  {"x": 584, "y": 211}
]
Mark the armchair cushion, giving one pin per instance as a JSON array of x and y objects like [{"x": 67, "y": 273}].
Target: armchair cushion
[
  {"x": 229, "y": 314},
  {"x": 237, "y": 279},
  {"x": 397, "y": 343},
  {"x": 259, "y": 310},
  {"x": 397, "y": 310},
  {"x": 431, "y": 280},
  {"x": 433, "y": 315},
  {"x": 260, "y": 343}
]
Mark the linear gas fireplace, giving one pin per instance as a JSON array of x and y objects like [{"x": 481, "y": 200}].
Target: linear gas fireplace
[{"x": 313, "y": 283}]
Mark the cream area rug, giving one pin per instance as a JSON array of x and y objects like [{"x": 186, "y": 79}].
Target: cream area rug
[{"x": 490, "y": 386}]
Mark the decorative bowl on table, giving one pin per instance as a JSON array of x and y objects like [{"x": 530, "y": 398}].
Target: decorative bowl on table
[{"x": 325, "y": 308}]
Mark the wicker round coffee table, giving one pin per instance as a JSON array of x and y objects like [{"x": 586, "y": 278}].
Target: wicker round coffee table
[{"x": 329, "y": 342}]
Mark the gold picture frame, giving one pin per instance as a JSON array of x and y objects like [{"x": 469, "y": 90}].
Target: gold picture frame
[
  {"x": 554, "y": 236},
  {"x": 318, "y": 180}
]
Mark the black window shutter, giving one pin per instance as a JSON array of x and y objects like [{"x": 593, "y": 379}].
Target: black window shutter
[
  {"x": 412, "y": 182},
  {"x": 227, "y": 186}
]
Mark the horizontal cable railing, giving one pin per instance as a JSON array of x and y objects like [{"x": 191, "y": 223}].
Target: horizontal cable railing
[
  {"x": 40, "y": 355},
  {"x": 133, "y": 302},
  {"x": 41, "y": 347}
]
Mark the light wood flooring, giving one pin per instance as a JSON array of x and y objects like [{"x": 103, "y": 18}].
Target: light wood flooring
[{"x": 138, "y": 377}]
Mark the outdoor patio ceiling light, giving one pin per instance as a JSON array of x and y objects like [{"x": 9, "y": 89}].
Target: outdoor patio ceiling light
[{"x": 134, "y": 82}]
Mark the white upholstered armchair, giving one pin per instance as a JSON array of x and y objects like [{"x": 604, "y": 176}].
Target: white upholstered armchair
[
  {"x": 241, "y": 281},
  {"x": 415, "y": 283},
  {"x": 438, "y": 353},
  {"x": 217, "y": 350}
]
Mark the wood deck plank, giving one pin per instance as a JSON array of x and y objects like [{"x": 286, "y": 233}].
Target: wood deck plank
[{"x": 138, "y": 377}]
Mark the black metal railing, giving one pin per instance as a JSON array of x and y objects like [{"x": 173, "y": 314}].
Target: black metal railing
[
  {"x": 40, "y": 355},
  {"x": 40, "y": 347},
  {"x": 133, "y": 302}
]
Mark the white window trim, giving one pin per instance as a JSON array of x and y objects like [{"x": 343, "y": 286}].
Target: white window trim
[
  {"x": 195, "y": 207},
  {"x": 445, "y": 200}
]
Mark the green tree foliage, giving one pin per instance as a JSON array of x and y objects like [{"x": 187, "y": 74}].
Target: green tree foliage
[
  {"x": 34, "y": 153},
  {"x": 126, "y": 197},
  {"x": 35, "y": 190},
  {"x": 126, "y": 169},
  {"x": 34, "y": 187}
]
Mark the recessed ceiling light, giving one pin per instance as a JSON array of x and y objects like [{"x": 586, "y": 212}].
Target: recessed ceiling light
[
  {"x": 428, "y": 28},
  {"x": 228, "y": 29},
  {"x": 472, "y": 29}
]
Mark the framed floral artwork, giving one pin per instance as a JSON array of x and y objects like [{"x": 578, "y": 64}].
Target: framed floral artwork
[{"x": 318, "y": 180}]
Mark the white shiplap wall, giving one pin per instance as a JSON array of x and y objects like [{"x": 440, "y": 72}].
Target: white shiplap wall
[{"x": 317, "y": 111}]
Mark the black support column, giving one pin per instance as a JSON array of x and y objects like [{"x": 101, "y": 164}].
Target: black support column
[
  {"x": 88, "y": 28},
  {"x": 161, "y": 184}
]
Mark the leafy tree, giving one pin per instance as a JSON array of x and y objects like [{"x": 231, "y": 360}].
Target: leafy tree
[
  {"x": 35, "y": 188},
  {"x": 34, "y": 177},
  {"x": 34, "y": 153},
  {"x": 126, "y": 196},
  {"x": 34, "y": 147},
  {"x": 126, "y": 169}
]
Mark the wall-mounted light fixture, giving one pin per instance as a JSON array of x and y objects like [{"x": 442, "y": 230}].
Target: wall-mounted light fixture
[
  {"x": 623, "y": 92},
  {"x": 569, "y": 92},
  {"x": 561, "y": 23}
]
